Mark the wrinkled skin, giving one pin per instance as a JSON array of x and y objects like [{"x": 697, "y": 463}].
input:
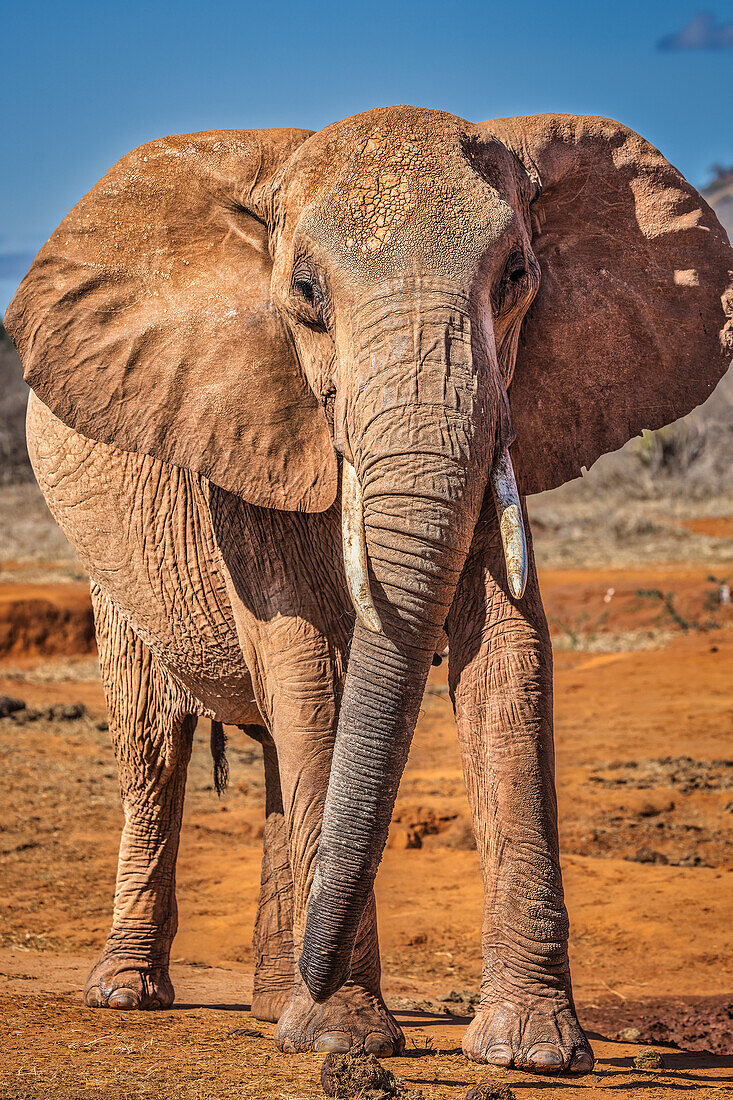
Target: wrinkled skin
[{"x": 220, "y": 323}]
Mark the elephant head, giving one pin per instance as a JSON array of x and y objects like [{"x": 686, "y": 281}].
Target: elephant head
[{"x": 251, "y": 304}]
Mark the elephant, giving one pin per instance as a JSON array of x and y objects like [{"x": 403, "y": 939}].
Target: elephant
[{"x": 289, "y": 393}]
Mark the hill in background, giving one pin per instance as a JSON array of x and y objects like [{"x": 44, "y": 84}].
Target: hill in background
[{"x": 720, "y": 196}]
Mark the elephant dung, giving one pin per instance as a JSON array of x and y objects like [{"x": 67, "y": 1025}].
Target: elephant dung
[
  {"x": 489, "y": 1091},
  {"x": 649, "y": 1058},
  {"x": 362, "y": 1075}
]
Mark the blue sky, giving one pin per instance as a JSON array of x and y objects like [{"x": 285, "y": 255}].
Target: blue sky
[{"x": 82, "y": 82}]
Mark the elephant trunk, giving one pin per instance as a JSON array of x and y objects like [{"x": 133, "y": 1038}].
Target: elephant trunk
[
  {"x": 511, "y": 525},
  {"x": 414, "y": 580},
  {"x": 422, "y": 467}
]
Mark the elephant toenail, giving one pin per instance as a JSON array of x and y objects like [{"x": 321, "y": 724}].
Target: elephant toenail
[
  {"x": 544, "y": 1057},
  {"x": 499, "y": 1055},
  {"x": 93, "y": 997},
  {"x": 378, "y": 1044},
  {"x": 155, "y": 1004},
  {"x": 125, "y": 999},
  {"x": 333, "y": 1042},
  {"x": 583, "y": 1062}
]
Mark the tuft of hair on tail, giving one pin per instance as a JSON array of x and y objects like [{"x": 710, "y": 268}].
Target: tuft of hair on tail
[{"x": 219, "y": 756}]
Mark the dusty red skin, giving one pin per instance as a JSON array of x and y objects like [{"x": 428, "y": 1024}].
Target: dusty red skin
[{"x": 190, "y": 397}]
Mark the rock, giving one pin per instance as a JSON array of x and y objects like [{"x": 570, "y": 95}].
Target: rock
[
  {"x": 461, "y": 1004},
  {"x": 649, "y": 1058},
  {"x": 9, "y": 706},
  {"x": 691, "y": 859},
  {"x": 68, "y": 712},
  {"x": 648, "y": 855},
  {"x": 629, "y": 1035},
  {"x": 654, "y": 809},
  {"x": 347, "y": 1076},
  {"x": 489, "y": 1090},
  {"x": 402, "y": 837},
  {"x": 60, "y": 712},
  {"x": 28, "y": 714},
  {"x": 459, "y": 835}
]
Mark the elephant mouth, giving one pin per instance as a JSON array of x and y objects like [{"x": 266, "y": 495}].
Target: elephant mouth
[{"x": 356, "y": 560}]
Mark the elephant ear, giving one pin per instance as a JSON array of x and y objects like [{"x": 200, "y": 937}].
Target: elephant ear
[
  {"x": 146, "y": 321},
  {"x": 632, "y": 325}
]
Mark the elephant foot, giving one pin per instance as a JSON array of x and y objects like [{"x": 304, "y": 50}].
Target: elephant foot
[
  {"x": 120, "y": 982},
  {"x": 269, "y": 1005},
  {"x": 353, "y": 1019},
  {"x": 529, "y": 1032}
]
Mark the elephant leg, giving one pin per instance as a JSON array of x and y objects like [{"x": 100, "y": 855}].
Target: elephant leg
[
  {"x": 353, "y": 1018},
  {"x": 152, "y": 737},
  {"x": 501, "y": 678},
  {"x": 301, "y": 677},
  {"x": 272, "y": 942}
]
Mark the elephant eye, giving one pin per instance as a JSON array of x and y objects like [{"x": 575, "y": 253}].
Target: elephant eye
[
  {"x": 309, "y": 299},
  {"x": 512, "y": 287},
  {"x": 516, "y": 268},
  {"x": 306, "y": 289}
]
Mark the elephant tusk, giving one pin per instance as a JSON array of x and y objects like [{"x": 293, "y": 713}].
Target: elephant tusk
[
  {"x": 511, "y": 525},
  {"x": 355, "y": 550}
]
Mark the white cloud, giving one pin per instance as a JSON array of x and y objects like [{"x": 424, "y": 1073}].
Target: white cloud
[{"x": 701, "y": 33}]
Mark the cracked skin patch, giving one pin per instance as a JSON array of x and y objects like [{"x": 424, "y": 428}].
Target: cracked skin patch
[{"x": 380, "y": 202}]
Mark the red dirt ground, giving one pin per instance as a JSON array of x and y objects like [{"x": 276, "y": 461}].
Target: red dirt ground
[
  {"x": 719, "y": 527},
  {"x": 645, "y": 782}
]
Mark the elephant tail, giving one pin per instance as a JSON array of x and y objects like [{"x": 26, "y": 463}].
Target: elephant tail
[{"x": 219, "y": 756}]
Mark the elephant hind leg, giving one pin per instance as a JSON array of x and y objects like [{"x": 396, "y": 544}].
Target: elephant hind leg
[
  {"x": 272, "y": 942},
  {"x": 152, "y": 736}
]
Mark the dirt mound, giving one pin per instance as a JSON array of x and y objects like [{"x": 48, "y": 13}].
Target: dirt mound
[
  {"x": 704, "y": 1023},
  {"x": 45, "y": 620}
]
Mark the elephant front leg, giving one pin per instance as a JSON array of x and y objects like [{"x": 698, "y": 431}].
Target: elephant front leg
[
  {"x": 300, "y": 683},
  {"x": 501, "y": 676},
  {"x": 152, "y": 738},
  {"x": 355, "y": 1017}
]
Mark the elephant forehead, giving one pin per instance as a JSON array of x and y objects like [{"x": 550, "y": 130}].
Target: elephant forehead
[
  {"x": 393, "y": 178},
  {"x": 374, "y": 207}
]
